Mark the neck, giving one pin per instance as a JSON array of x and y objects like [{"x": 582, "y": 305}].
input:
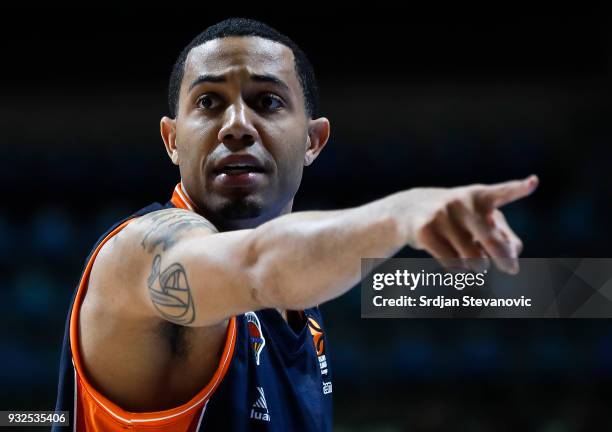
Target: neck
[
  {"x": 181, "y": 199},
  {"x": 238, "y": 224}
]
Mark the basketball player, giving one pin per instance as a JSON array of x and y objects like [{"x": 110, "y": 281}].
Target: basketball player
[{"x": 201, "y": 314}]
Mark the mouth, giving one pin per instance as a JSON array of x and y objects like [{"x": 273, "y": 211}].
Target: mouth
[
  {"x": 238, "y": 169},
  {"x": 236, "y": 164}
]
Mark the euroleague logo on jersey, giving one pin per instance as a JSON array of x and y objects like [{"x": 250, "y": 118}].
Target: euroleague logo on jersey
[
  {"x": 319, "y": 342},
  {"x": 317, "y": 336},
  {"x": 256, "y": 338}
]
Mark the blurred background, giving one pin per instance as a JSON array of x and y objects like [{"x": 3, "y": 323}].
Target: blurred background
[{"x": 413, "y": 100}]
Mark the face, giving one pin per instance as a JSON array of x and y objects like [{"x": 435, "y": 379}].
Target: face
[{"x": 242, "y": 136}]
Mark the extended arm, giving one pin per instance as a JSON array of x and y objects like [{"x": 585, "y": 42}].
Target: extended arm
[{"x": 180, "y": 269}]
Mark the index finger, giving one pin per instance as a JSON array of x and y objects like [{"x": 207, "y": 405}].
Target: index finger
[{"x": 500, "y": 194}]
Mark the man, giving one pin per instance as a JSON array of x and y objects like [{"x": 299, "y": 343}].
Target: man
[{"x": 202, "y": 313}]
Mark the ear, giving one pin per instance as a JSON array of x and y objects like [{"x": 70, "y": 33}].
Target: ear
[
  {"x": 167, "y": 128},
  {"x": 318, "y": 134}
]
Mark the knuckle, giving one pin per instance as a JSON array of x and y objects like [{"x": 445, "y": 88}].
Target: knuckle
[
  {"x": 426, "y": 230},
  {"x": 494, "y": 242},
  {"x": 440, "y": 213},
  {"x": 498, "y": 236},
  {"x": 489, "y": 241},
  {"x": 499, "y": 216},
  {"x": 455, "y": 203},
  {"x": 519, "y": 246},
  {"x": 472, "y": 250},
  {"x": 422, "y": 237},
  {"x": 477, "y": 196}
]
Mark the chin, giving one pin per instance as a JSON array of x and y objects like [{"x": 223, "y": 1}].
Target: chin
[
  {"x": 242, "y": 210},
  {"x": 236, "y": 208}
]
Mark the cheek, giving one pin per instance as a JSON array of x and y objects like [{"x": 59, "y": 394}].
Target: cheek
[
  {"x": 195, "y": 140},
  {"x": 287, "y": 143}
]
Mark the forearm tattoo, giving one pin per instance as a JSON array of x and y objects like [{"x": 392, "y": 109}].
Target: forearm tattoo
[
  {"x": 169, "y": 290},
  {"x": 166, "y": 228}
]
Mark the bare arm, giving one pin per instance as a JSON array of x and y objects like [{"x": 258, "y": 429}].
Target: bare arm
[
  {"x": 179, "y": 268},
  {"x": 309, "y": 258}
]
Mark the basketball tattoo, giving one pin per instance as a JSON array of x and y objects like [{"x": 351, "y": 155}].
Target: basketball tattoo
[{"x": 170, "y": 292}]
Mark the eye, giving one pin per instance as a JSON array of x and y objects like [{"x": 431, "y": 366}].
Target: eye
[
  {"x": 208, "y": 101},
  {"x": 270, "y": 102}
]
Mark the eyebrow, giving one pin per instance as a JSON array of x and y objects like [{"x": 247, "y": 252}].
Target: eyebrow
[
  {"x": 265, "y": 78},
  {"x": 271, "y": 79},
  {"x": 207, "y": 78}
]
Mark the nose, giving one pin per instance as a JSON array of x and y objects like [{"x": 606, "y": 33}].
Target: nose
[{"x": 238, "y": 129}]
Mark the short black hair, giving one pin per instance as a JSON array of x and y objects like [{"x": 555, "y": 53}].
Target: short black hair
[{"x": 247, "y": 27}]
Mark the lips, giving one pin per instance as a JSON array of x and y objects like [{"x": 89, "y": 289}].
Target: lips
[
  {"x": 238, "y": 164},
  {"x": 239, "y": 169},
  {"x": 239, "y": 173}
]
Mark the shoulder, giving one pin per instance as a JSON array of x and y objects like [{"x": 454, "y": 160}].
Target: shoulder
[
  {"x": 163, "y": 228},
  {"x": 125, "y": 256},
  {"x": 142, "y": 235}
]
